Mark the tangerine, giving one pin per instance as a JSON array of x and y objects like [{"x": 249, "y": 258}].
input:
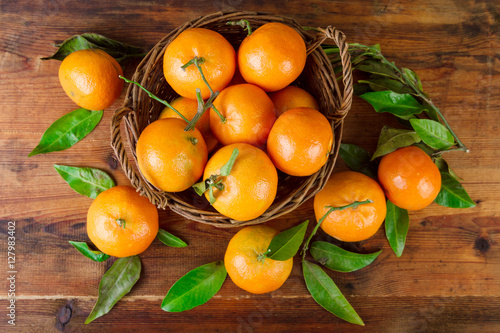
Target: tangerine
[
  {"x": 217, "y": 57},
  {"x": 300, "y": 141},
  {"x": 122, "y": 223},
  {"x": 249, "y": 114},
  {"x": 90, "y": 78},
  {"x": 169, "y": 157},
  {"x": 351, "y": 224},
  {"x": 250, "y": 188},
  {"x": 246, "y": 265},
  {"x": 188, "y": 108},
  {"x": 409, "y": 177},
  {"x": 272, "y": 57},
  {"x": 292, "y": 97}
]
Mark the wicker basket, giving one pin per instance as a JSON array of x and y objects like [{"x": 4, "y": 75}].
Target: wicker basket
[{"x": 318, "y": 78}]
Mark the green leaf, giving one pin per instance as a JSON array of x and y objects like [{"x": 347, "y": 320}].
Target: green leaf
[
  {"x": 87, "y": 181},
  {"x": 397, "y": 222},
  {"x": 358, "y": 159},
  {"x": 412, "y": 77},
  {"x": 225, "y": 170},
  {"x": 67, "y": 130},
  {"x": 195, "y": 288},
  {"x": 391, "y": 139},
  {"x": 170, "y": 240},
  {"x": 84, "y": 249},
  {"x": 377, "y": 67},
  {"x": 286, "y": 244},
  {"x": 117, "y": 50},
  {"x": 400, "y": 105},
  {"x": 340, "y": 260},
  {"x": 360, "y": 89},
  {"x": 115, "y": 283},
  {"x": 327, "y": 294},
  {"x": 452, "y": 193},
  {"x": 444, "y": 167},
  {"x": 433, "y": 134},
  {"x": 386, "y": 84}
]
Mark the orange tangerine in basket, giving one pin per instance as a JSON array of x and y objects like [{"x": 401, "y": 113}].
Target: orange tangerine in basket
[
  {"x": 272, "y": 57},
  {"x": 251, "y": 186},
  {"x": 169, "y": 157},
  {"x": 217, "y": 61},
  {"x": 300, "y": 141},
  {"x": 249, "y": 115}
]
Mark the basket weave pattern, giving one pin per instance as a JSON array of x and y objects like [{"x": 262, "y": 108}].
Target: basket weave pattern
[{"x": 318, "y": 78}]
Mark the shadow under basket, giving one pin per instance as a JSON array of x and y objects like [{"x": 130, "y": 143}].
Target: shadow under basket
[{"x": 318, "y": 78}]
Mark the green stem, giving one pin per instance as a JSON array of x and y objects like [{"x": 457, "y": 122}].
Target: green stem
[
  {"x": 242, "y": 23},
  {"x": 155, "y": 98},
  {"x": 353, "y": 205},
  {"x": 197, "y": 61},
  {"x": 121, "y": 223}
]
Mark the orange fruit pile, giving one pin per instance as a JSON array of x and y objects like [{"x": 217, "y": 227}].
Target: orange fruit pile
[{"x": 200, "y": 65}]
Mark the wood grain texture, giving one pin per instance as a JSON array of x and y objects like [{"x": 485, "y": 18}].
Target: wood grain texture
[{"x": 448, "y": 278}]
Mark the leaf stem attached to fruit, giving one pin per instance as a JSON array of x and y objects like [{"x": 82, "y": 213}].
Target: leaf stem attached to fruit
[
  {"x": 353, "y": 205},
  {"x": 155, "y": 98}
]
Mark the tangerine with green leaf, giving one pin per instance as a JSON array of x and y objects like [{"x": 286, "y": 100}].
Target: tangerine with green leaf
[
  {"x": 247, "y": 265},
  {"x": 251, "y": 186},
  {"x": 410, "y": 178},
  {"x": 90, "y": 78},
  {"x": 351, "y": 224},
  {"x": 122, "y": 223}
]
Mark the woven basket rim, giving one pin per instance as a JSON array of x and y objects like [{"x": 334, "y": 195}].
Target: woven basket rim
[{"x": 337, "y": 106}]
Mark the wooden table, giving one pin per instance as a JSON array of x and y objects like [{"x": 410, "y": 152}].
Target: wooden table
[{"x": 447, "y": 280}]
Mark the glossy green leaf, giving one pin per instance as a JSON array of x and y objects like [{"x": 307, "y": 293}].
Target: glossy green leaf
[
  {"x": 195, "y": 288},
  {"x": 358, "y": 159},
  {"x": 84, "y": 249},
  {"x": 433, "y": 134},
  {"x": 225, "y": 170},
  {"x": 115, "y": 283},
  {"x": 412, "y": 77},
  {"x": 397, "y": 223},
  {"x": 326, "y": 293},
  {"x": 377, "y": 67},
  {"x": 452, "y": 193},
  {"x": 386, "y": 84},
  {"x": 170, "y": 240},
  {"x": 116, "y": 49},
  {"x": 444, "y": 167},
  {"x": 391, "y": 139},
  {"x": 340, "y": 260},
  {"x": 67, "y": 130},
  {"x": 400, "y": 105},
  {"x": 287, "y": 243},
  {"x": 86, "y": 181}
]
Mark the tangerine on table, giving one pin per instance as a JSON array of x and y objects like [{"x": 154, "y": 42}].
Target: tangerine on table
[
  {"x": 409, "y": 177},
  {"x": 249, "y": 114},
  {"x": 122, "y": 223},
  {"x": 250, "y": 188},
  {"x": 90, "y": 78},
  {"x": 292, "y": 97},
  {"x": 169, "y": 157},
  {"x": 218, "y": 64},
  {"x": 188, "y": 108},
  {"x": 272, "y": 57},
  {"x": 300, "y": 141},
  {"x": 351, "y": 224},
  {"x": 245, "y": 265}
]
